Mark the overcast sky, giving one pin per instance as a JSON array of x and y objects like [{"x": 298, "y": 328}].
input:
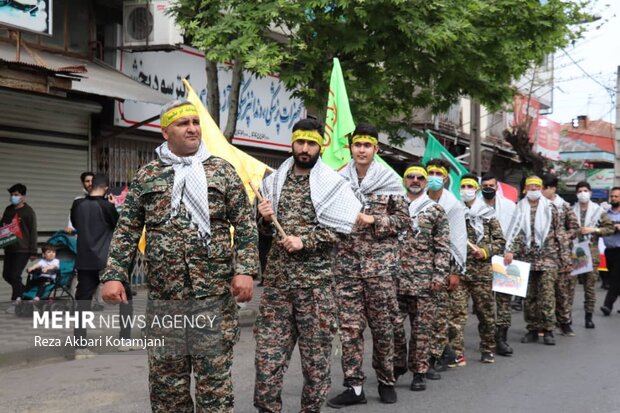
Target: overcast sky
[{"x": 590, "y": 90}]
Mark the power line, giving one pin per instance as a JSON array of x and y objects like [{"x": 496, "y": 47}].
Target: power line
[{"x": 610, "y": 90}]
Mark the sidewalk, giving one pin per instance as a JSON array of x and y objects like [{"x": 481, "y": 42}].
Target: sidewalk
[{"x": 17, "y": 335}]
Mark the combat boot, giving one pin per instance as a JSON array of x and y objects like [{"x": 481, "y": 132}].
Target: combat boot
[
  {"x": 567, "y": 330},
  {"x": 432, "y": 374},
  {"x": 517, "y": 304},
  {"x": 502, "y": 348},
  {"x": 589, "y": 323},
  {"x": 530, "y": 337},
  {"x": 387, "y": 393},
  {"x": 505, "y": 340},
  {"x": 418, "y": 383},
  {"x": 399, "y": 371},
  {"x": 548, "y": 338}
]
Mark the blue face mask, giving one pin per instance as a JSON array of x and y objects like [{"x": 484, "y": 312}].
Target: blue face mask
[
  {"x": 15, "y": 199},
  {"x": 435, "y": 183}
]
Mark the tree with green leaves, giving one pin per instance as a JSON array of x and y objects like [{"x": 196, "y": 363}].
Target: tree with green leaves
[
  {"x": 236, "y": 33},
  {"x": 396, "y": 55}
]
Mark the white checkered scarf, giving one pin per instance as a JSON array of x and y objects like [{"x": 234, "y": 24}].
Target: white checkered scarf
[
  {"x": 593, "y": 216},
  {"x": 379, "y": 180},
  {"x": 458, "y": 228},
  {"x": 504, "y": 211},
  {"x": 478, "y": 213},
  {"x": 521, "y": 222},
  {"x": 190, "y": 186},
  {"x": 334, "y": 203},
  {"x": 416, "y": 207}
]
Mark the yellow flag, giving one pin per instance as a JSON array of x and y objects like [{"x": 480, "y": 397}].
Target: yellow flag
[{"x": 248, "y": 168}]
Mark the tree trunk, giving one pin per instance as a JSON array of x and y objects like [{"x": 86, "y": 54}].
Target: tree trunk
[
  {"x": 213, "y": 91},
  {"x": 233, "y": 102}
]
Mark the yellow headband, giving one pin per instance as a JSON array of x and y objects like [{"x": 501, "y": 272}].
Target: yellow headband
[
  {"x": 176, "y": 113},
  {"x": 365, "y": 138},
  {"x": 441, "y": 169},
  {"x": 470, "y": 181},
  {"x": 416, "y": 170},
  {"x": 308, "y": 135},
  {"x": 533, "y": 180}
]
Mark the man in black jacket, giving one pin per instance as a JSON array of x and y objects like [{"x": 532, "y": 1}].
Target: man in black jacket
[
  {"x": 94, "y": 218},
  {"x": 16, "y": 255}
]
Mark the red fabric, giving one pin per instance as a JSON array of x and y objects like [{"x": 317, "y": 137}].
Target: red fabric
[{"x": 509, "y": 192}]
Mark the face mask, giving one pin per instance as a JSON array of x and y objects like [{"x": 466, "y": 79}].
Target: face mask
[
  {"x": 468, "y": 195},
  {"x": 534, "y": 195},
  {"x": 15, "y": 199},
  {"x": 435, "y": 183},
  {"x": 583, "y": 197},
  {"x": 488, "y": 193},
  {"x": 414, "y": 190}
]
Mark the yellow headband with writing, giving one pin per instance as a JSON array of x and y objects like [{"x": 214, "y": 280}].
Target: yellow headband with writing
[
  {"x": 470, "y": 181},
  {"x": 308, "y": 135},
  {"x": 176, "y": 113},
  {"x": 435, "y": 168},
  {"x": 533, "y": 180},
  {"x": 416, "y": 170},
  {"x": 365, "y": 138}
]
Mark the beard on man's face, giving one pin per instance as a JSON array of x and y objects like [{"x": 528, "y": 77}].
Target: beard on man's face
[{"x": 304, "y": 160}]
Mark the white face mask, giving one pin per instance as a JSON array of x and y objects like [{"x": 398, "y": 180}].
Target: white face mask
[
  {"x": 468, "y": 195},
  {"x": 584, "y": 197},
  {"x": 534, "y": 195},
  {"x": 415, "y": 190}
]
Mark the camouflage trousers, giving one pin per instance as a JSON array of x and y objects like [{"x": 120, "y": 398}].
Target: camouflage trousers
[
  {"x": 441, "y": 305},
  {"x": 204, "y": 351},
  {"x": 420, "y": 312},
  {"x": 306, "y": 316},
  {"x": 589, "y": 290},
  {"x": 564, "y": 297},
  {"x": 539, "y": 308},
  {"x": 503, "y": 309},
  {"x": 484, "y": 308},
  {"x": 365, "y": 301}
]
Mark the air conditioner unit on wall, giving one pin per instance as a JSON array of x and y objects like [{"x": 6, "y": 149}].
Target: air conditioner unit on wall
[{"x": 147, "y": 25}]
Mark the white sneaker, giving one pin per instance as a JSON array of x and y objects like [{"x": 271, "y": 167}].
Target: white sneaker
[{"x": 83, "y": 354}]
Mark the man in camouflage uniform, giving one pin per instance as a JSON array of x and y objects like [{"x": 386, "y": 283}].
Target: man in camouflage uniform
[
  {"x": 425, "y": 266},
  {"x": 537, "y": 236},
  {"x": 366, "y": 262},
  {"x": 594, "y": 223},
  {"x": 187, "y": 200},
  {"x": 485, "y": 239},
  {"x": 442, "y": 354},
  {"x": 298, "y": 303},
  {"x": 565, "y": 282},
  {"x": 504, "y": 212}
]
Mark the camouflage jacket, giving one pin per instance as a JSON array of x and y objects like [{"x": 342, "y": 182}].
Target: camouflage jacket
[
  {"x": 372, "y": 251},
  {"x": 425, "y": 256},
  {"x": 568, "y": 218},
  {"x": 493, "y": 243},
  {"x": 180, "y": 265},
  {"x": 311, "y": 266},
  {"x": 555, "y": 253}
]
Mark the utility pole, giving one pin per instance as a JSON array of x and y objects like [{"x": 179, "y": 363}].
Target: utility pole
[
  {"x": 617, "y": 163},
  {"x": 475, "y": 147}
]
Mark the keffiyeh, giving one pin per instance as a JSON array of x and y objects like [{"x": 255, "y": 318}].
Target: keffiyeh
[
  {"x": 190, "y": 186},
  {"x": 335, "y": 204},
  {"x": 458, "y": 230},
  {"x": 504, "y": 211},
  {"x": 379, "y": 180},
  {"x": 477, "y": 214},
  {"x": 593, "y": 215},
  {"x": 522, "y": 222},
  {"x": 416, "y": 207}
]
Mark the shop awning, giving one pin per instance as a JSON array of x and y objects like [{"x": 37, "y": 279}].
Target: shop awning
[{"x": 87, "y": 77}]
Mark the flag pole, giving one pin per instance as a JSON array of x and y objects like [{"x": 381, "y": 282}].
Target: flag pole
[{"x": 273, "y": 218}]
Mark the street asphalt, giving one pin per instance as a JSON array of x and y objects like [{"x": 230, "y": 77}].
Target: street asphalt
[{"x": 578, "y": 375}]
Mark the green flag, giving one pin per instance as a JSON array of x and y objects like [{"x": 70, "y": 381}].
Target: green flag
[
  {"x": 338, "y": 121},
  {"x": 434, "y": 149}
]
